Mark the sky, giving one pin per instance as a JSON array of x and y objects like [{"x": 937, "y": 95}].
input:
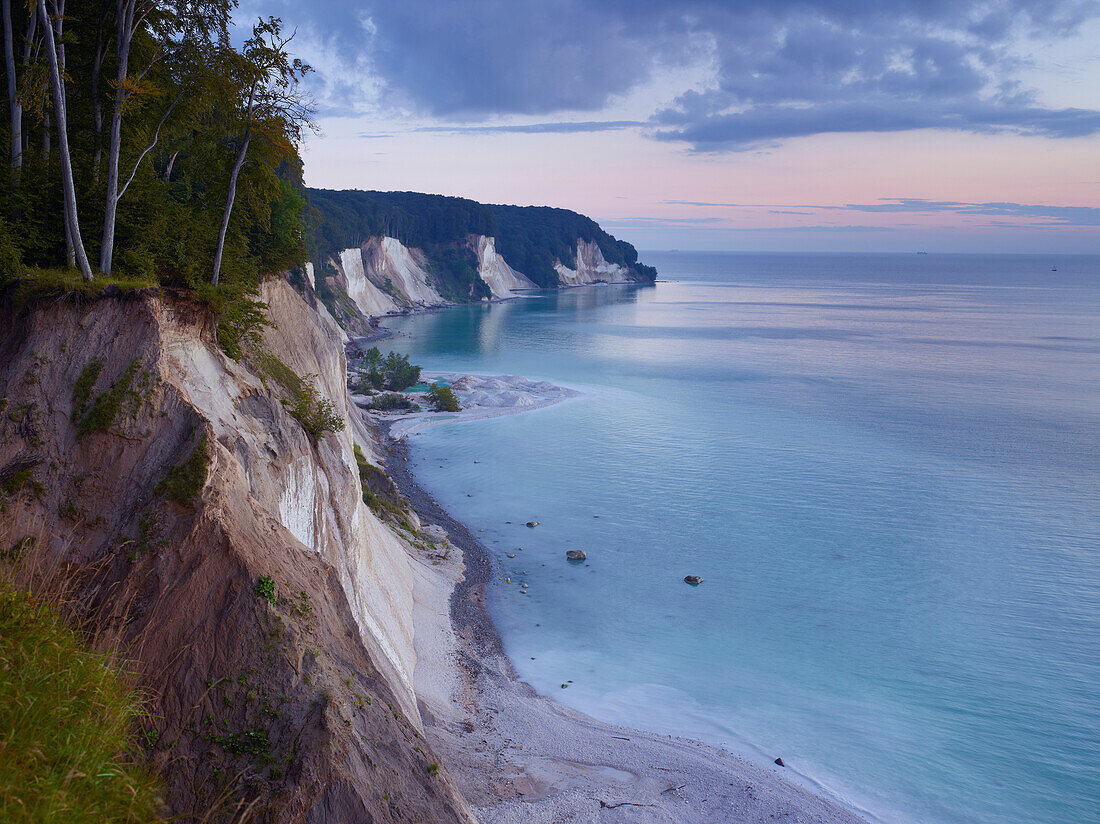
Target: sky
[{"x": 802, "y": 125}]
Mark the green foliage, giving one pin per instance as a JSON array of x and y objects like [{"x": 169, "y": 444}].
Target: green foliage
[
  {"x": 414, "y": 219},
  {"x": 532, "y": 238},
  {"x": 433, "y": 769},
  {"x": 66, "y": 724},
  {"x": 85, "y": 383},
  {"x": 391, "y": 402},
  {"x": 443, "y": 398},
  {"x": 241, "y": 324},
  {"x": 185, "y": 481},
  {"x": 21, "y": 479},
  {"x": 399, "y": 373},
  {"x": 50, "y": 284},
  {"x": 393, "y": 372},
  {"x": 245, "y": 742},
  {"x": 265, "y": 588},
  {"x": 105, "y": 407},
  {"x": 183, "y": 102},
  {"x": 11, "y": 261},
  {"x": 316, "y": 413},
  {"x": 372, "y": 477}
]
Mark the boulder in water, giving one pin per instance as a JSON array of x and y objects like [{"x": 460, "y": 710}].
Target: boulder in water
[
  {"x": 694, "y": 580},
  {"x": 576, "y": 555},
  {"x": 532, "y": 523},
  {"x": 779, "y": 761}
]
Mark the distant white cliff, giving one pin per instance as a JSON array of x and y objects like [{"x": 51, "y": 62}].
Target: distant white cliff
[
  {"x": 388, "y": 260},
  {"x": 495, "y": 271},
  {"x": 591, "y": 267},
  {"x": 369, "y": 298},
  {"x": 383, "y": 276}
]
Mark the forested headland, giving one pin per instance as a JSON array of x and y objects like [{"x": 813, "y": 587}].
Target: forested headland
[{"x": 530, "y": 238}]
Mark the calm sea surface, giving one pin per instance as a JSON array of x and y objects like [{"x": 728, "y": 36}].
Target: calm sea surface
[{"x": 885, "y": 467}]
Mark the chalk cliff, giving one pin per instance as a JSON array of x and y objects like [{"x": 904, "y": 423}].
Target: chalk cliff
[
  {"x": 501, "y": 278},
  {"x": 591, "y": 267},
  {"x": 300, "y": 704},
  {"x": 376, "y": 253}
]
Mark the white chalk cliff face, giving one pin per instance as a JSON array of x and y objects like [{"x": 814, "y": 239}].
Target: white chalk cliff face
[
  {"x": 495, "y": 271},
  {"x": 369, "y": 298},
  {"x": 384, "y": 276},
  {"x": 313, "y": 490},
  {"x": 591, "y": 267},
  {"x": 387, "y": 259}
]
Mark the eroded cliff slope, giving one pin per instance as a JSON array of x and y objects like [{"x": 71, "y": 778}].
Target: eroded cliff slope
[{"x": 262, "y": 604}]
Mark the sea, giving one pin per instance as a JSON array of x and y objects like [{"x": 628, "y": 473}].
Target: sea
[{"x": 884, "y": 467}]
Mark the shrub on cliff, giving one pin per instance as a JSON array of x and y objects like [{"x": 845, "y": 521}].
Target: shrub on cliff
[
  {"x": 316, "y": 413},
  {"x": 185, "y": 481},
  {"x": 65, "y": 723}
]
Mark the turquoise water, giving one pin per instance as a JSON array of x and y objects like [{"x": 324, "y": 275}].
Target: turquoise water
[{"x": 886, "y": 469}]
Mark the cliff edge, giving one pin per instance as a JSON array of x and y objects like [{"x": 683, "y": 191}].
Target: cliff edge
[{"x": 226, "y": 550}]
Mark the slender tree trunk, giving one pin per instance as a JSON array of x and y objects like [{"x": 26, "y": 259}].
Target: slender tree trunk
[
  {"x": 229, "y": 206},
  {"x": 171, "y": 163},
  {"x": 59, "y": 7},
  {"x": 13, "y": 98},
  {"x": 68, "y": 189},
  {"x": 124, "y": 34},
  {"x": 70, "y": 252}
]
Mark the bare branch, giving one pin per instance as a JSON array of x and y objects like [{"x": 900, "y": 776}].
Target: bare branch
[{"x": 149, "y": 148}]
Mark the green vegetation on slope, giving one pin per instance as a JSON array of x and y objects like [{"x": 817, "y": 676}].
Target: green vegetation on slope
[{"x": 66, "y": 721}]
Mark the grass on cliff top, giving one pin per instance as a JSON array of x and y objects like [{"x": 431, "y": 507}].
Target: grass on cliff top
[
  {"x": 44, "y": 284},
  {"x": 66, "y": 721}
]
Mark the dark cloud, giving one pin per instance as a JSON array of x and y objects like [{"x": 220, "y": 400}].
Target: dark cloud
[
  {"x": 782, "y": 68},
  {"x": 769, "y": 123}
]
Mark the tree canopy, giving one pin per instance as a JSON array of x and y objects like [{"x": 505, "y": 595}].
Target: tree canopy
[{"x": 145, "y": 143}]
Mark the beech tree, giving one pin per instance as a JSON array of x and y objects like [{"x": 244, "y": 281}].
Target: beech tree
[
  {"x": 274, "y": 107},
  {"x": 139, "y": 137},
  {"x": 72, "y": 224},
  {"x": 173, "y": 27}
]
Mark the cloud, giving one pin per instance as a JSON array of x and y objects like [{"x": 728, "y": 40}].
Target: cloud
[
  {"x": 632, "y": 222},
  {"x": 562, "y": 127},
  {"x": 778, "y": 69},
  {"x": 1053, "y": 215},
  {"x": 769, "y": 124},
  {"x": 1047, "y": 216}
]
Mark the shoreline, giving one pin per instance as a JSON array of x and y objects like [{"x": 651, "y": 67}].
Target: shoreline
[
  {"x": 382, "y": 333},
  {"x": 519, "y": 756}
]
